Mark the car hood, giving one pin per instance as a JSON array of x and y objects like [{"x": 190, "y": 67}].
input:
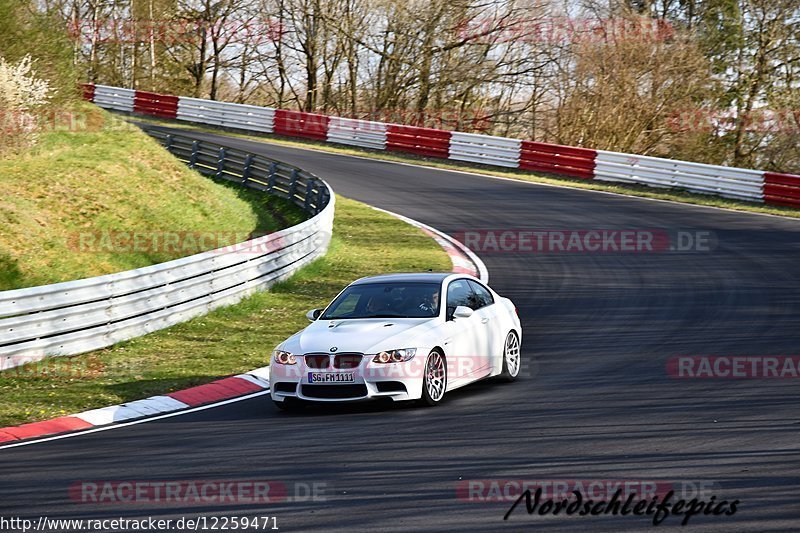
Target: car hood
[{"x": 366, "y": 335}]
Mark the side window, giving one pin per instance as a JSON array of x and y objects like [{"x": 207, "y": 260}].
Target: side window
[
  {"x": 482, "y": 296},
  {"x": 458, "y": 293}
]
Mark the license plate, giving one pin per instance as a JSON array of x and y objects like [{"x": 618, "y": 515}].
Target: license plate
[{"x": 331, "y": 377}]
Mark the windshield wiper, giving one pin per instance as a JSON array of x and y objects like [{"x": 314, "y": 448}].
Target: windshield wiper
[{"x": 384, "y": 315}]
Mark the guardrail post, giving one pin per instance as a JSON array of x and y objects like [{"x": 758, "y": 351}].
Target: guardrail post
[
  {"x": 168, "y": 144},
  {"x": 327, "y": 196},
  {"x": 193, "y": 157},
  {"x": 309, "y": 192},
  {"x": 248, "y": 162},
  {"x": 320, "y": 199},
  {"x": 293, "y": 184},
  {"x": 220, "y": 162},
  {"x": 273, "y": 170}
]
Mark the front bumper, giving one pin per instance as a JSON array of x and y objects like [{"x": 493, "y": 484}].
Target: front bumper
[{"x": 395, "y": 381}]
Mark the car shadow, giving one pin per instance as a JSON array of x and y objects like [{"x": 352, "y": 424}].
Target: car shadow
[{"x": 471, "y": 392}]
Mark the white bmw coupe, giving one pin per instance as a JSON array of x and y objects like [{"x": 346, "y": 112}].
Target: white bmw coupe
[{"x": 391, "y": 337}]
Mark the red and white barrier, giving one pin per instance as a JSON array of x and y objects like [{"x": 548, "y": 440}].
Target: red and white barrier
[
  {"x": 485, "y": 149},
  {"x": 88, "y": 90},
  {"x": 729, "y": 182},
  {"x": 782, "y": 189},
  {"x": 363, "y": 133},
  {"x": 157, "y": 105},
  {"x": 420, "y": 141},
  {"x": 113, "y": 98},
  {"x": 300, "y": 124},
  {"x": 241, "y": 116},
  {"x": 575, "y": 162},
  {"x": 557, "y": 159}
]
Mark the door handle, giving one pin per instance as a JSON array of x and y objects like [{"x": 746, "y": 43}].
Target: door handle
[{"x": 484, "y": 320}]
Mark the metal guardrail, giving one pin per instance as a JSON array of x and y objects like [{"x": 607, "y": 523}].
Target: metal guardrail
[
  {"x": 484, "y": 149},
  {"x": 583, "y": 163},
  {"x": 261, "y": 119},
  {"x": 363, "y": 133},
  {"x": 255, "y": 171},
  {"x": 728, "y": 182},
  {"x": 115, "y": 98},
  {"x": 557, "y": 159},
  {"x": 78, "y": 316}
]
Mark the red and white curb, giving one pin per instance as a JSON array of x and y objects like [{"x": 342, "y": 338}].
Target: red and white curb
[
  {"x": 217, "y": 392},
  {"x": 214, "y": 392}
]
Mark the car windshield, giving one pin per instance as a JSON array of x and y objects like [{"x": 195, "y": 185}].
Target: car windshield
[{"x": 386, "y": 300}]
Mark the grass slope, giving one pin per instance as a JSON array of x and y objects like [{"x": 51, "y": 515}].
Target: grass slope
[
  {"x": 102, "y": 174},
  {"x": 227, "y": 341}
]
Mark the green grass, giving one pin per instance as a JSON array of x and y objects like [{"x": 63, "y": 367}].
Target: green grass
[
  {"x": 227, "y": 341},
  {"x": 103, "y": 175},
  {"x": 674, "y": 195}
]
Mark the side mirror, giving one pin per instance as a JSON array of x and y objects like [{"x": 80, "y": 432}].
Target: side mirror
[
  {"x": 313, "y": 314},
  {"x": 462, "y": 311}
]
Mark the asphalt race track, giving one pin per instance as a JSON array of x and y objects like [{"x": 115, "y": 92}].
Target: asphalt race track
[{"x": 595, "y": 401}]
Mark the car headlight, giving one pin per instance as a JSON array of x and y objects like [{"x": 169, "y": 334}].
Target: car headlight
[
  {"x": 395, "y": 356},
  {"x": 284, "y": 358}
]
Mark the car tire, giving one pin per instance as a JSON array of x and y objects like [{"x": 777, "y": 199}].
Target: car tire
[
  {"x": 434, "y": 380},
  {"x": 289, "y": 404},
  {"x": 512, "y": 358}
]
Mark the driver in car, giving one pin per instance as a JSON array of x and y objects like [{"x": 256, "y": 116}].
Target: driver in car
[{"x": 430, "y": 303}]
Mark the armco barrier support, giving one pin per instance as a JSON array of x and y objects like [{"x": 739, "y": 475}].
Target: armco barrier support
[
  {"x": 583, "y": 163},
  {"x": 421, "y": 141},
  {"x": 782, "y": 189},
  {"x": 78, "y": 316}
]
